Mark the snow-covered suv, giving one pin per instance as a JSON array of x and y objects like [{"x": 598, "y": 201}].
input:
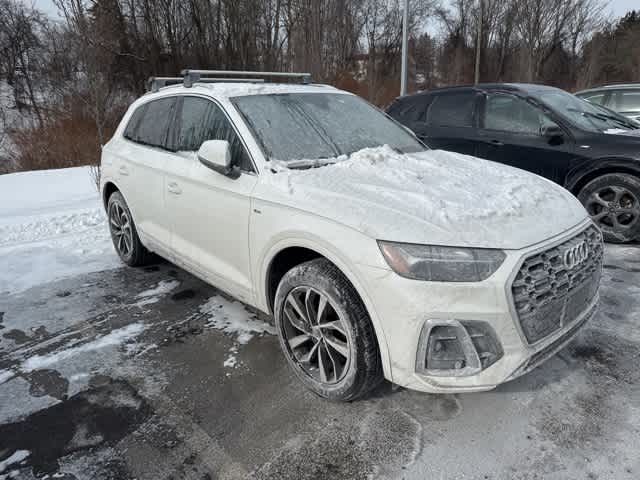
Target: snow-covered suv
[{"x": 376, "y": 256}]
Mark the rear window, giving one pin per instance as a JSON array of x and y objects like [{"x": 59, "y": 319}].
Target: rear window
[
  {"x": 452, "y": 110},
  {"x": 149, "y": 124},
  {"x": 412, "y": 109}
]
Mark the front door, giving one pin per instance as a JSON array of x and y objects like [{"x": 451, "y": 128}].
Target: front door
[
  {"x": 512, "y": 133},
  {"x": 210, "y": 211}
]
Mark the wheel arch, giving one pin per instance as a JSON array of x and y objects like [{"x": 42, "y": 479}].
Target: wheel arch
[
  {"x": 108, "y": 189},
  {"x": 293, "y": 251},
  {"x": 577, "y": 180}
]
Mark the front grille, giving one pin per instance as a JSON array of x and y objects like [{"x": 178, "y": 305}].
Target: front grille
[{"x": 548, "y": 295}]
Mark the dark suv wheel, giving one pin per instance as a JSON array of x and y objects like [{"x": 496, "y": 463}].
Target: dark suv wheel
[
  {"x": 325, "y": 332},
  {"x": 613, "y": 201},
  {"x": 124, "y": 234}
]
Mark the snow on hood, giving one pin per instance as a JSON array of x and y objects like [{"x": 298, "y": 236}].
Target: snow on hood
[{"x": 432, "y": 197}]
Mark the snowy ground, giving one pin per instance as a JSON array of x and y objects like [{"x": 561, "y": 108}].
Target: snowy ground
[{"x": 117, "y": 373}]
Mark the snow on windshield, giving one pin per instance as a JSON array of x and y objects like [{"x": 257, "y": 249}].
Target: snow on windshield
[{"x": 320, "y": 125}]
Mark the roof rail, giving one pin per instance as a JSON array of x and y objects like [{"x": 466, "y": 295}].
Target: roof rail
[
  {"x": 156, "y": 83},
  {"x": 192, "y": 76}
]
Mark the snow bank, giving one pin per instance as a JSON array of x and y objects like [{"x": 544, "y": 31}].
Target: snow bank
[
  {"x": 429, "y": 197},
  {"x": 52, "y": 225}
]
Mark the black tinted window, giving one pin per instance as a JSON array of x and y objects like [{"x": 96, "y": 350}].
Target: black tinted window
[
  {"x": 155, "y": 121},
  {"x": 452, "y": 110},
  {"x": 410, "y": 110},
  {"x": 200, "y": 120},
  {"x": 134, "y": 121},
  {"x": 512, "y": 114}
]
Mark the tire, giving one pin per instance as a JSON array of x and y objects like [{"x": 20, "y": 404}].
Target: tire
[
  {"x": 345, "y": 327},
  {"x": 613, "y": 201},
  {"x": 124, "y": 234}
]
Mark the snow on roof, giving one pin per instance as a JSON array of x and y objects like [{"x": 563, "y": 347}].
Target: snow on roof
[{"x": 229, "y": 89}]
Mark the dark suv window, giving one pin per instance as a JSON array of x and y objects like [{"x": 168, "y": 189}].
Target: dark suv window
[
  {"x": 509, "y": 113},
  {"x": 452, "y": 110},
  {"x": 150, "y": 122},
  {"x": 199, "y": 120}
]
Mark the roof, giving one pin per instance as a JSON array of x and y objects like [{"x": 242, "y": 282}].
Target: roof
[
  {"x": 239, "y": 89},
  {"x": 613, "y": 86},
  {"x": 516, "y": 87}
]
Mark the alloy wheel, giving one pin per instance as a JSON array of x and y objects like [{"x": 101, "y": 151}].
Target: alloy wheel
[
  {"x": 614, "y": 208},
  {"x": 316, "y": 335},
  {"x": 121, "y": 229}
]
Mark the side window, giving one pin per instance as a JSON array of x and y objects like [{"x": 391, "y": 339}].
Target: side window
[
  {"x": 598, "y": 98},
  {"x": 134, "y": 122},
  {"x": 152, "y": 129},
  {"x": 629, "y": 101},
  {"x": 509, "y": 113},
  {"x": 200, "y": 120},
  {"x": 452, "y": 110}
]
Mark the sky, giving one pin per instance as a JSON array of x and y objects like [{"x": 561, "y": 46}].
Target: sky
[{"x": 616, "y": 8}]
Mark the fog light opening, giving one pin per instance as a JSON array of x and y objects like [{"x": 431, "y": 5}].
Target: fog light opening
[{"x": 453, "y": 348}]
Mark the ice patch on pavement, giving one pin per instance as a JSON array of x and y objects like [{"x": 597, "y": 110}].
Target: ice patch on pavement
[
  {"x": 153, "y": 295},
  {"x": 116, "y": 337},
  {"x": 231, "y": 361},
  {"x": 231, "y": 317},
  {"x": 17, "y": 457},
  {"x": 52, "y": 226}
]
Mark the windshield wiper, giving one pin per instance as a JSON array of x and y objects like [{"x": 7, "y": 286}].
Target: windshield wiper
[{"x": 310, "y": 163}]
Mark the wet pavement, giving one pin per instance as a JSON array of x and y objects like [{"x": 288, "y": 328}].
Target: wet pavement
[{"x": 145, "y": 373}]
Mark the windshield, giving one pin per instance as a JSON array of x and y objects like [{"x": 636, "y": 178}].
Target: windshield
[
  {"x": 585, "y": 115},
  {"x": 312, "y": 126}
]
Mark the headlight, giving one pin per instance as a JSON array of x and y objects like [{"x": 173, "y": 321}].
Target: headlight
[{"x": 441, "y": 264}]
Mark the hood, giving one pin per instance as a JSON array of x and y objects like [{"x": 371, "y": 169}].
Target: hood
[{"x": 432, "y": 197}]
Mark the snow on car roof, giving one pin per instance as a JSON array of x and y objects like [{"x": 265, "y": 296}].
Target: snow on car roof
[{"x": 239, "y": 89}]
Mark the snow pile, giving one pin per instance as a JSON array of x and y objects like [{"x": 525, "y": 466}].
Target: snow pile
[
  {"x": 52, "y": 225},
  {"x": 233, "y": 318},
  {"x": 429, "y": 197},
  {"x": 15, "y": 459}
]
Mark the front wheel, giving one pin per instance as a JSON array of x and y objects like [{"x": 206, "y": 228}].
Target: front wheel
[
  {"x": 613, "y": 201},
  {"x": 325, "y": 332}
]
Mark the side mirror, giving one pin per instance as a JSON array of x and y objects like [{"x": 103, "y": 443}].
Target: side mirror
[
  {"x": 553, "y": 133},
  {"x": 216, "y": 155}
]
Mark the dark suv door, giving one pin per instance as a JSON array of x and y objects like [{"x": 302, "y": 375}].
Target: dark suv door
[
  {"x": 444, "y": 120},
  {"x": 517, "y": 132}
]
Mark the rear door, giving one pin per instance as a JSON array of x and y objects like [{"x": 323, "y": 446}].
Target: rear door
[
  {"x": 209, "y": 211},
  {"x": 140, "y": 174},
  {"x": 449, "y": 122},
  {"x": 511, "y": 133}
]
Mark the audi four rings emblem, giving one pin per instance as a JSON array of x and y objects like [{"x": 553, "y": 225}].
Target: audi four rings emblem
[{"x": 575, "y": 255}]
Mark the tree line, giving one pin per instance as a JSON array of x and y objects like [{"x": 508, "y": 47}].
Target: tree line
[{"x": 64, "y": 83}]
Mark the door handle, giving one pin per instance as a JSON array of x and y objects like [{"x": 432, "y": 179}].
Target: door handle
[
  {"x": 496, "y": 143},
  {"x": 174, "y": 188},
  {"x": 123, "y": 170}
]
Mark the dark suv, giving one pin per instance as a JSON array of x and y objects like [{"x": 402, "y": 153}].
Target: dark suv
[{"x": 589, "y": 149}]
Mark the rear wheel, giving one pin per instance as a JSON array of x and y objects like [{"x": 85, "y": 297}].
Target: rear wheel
[
  {"x": 613, "y": 201},
  {"x": 325, "y": 332},
  {"x": 124, "y": 234}
]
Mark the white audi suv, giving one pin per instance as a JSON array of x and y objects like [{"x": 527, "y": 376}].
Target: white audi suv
[{"x": 377, "y": 257}]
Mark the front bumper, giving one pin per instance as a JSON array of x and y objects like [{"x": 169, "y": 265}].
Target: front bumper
[{"x": 406, "y": 308}]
